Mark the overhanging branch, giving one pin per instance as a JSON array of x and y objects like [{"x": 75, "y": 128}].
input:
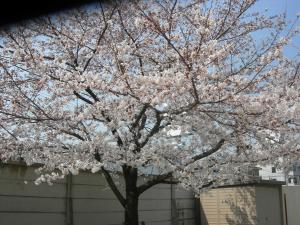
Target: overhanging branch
[
  {"x": 157, "y": 180},
  {"x": 92, "y": 94},
  {"x": 208, "y": 153},
  {"x": 83, "y": 98},
  {"x": 113, "y": 187}
]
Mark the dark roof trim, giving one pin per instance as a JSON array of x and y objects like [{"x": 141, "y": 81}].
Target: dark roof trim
[{"x": 255, "y": 183}]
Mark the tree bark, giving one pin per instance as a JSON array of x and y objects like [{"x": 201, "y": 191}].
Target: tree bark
[
  {"x": 131, "y": 209},
  {"x": 132, "y": 196}
]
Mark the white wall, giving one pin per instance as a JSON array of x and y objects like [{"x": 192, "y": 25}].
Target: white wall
[{"x": 266, "y": 173}]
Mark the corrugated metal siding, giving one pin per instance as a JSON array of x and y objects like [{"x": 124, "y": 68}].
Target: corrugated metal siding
[
  {"x": 242, "y": 205},
  {"x": 232, "y": 205},
  {"x": 93, "y": 202}
]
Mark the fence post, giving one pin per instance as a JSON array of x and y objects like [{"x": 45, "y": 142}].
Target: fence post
[
  {"x": 69, "y": 200},
  {"x": 174, "y": 212},
  {"x": 197, "y": 211},
  {"x": 285, "y": 210}
]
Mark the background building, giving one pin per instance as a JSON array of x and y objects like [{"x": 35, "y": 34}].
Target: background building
[{"x": 270, "y": 172}]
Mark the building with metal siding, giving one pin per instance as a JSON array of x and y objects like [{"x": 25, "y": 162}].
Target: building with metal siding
[{"x": 247, "y": 204}]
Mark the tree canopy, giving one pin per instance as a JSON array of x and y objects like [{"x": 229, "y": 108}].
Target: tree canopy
[{"x": 195, "y": 90}]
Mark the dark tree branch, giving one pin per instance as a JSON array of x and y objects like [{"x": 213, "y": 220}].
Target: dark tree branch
[
  {"x": 113, "y": 187},
  {"x": 73, "y": 134},
  {"x": 113, "y": 131},
  {"x": 143, "y": 122},
  {"x": 139, "y": 116},
  {"x": 30, "y": 119},
  {"x": 295, "y": 75},
  {"x": 163, "y": 34},
  {"x": 242, "y": 11},
  {"x": 92, "y": 94},
  {"x": 83, "y": 98},
  {"x": 210, "y": 152},
  {"x": 154, "y": 130},
  {"x": 107, "y": 119},
  {"x": 94, "y": 51},
  {"x": 157, "y": 180},
  {"x": 10, "y": 133},
  {"x": 207, "y": 184},
  {"x": 169, "y": 182}
]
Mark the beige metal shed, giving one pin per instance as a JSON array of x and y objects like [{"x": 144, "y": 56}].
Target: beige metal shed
[{"x": 258, "y": 203}]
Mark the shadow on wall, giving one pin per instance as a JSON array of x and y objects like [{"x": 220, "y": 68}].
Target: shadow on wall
[
  {"x": 231, "y": 206},
  {"x": 203, "y": 218},
  {"x": 242, "y": 207}
]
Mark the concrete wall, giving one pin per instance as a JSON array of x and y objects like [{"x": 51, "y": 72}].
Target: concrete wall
[
  {"x": 242, "y": 205},
  {"x": 291, "y": 204},
  {"x": 88, "y": 201}
]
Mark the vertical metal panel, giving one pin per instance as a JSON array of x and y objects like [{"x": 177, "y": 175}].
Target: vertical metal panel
[
  {"x": 285, "y": 210},
  {"x": 69, "y": 201},
  {"x": 291, "y": 211},
  {"x": 268, "y": 205}
]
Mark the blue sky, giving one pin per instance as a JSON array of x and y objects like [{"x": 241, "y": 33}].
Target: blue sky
[{"x": 291, "y": 8}]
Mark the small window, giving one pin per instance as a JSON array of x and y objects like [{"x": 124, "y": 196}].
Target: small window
[
  {"x": 256, "y": 172},
  {"x": 273, "y": 170}
]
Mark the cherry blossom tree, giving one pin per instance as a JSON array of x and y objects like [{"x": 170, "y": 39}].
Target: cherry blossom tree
[{"x": 195, "y": 91}]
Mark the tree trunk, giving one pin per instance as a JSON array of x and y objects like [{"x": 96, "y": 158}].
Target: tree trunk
[
  {"x": 131, "y": 210},
  {"x": 131, "y": 201},
  {"x": 132, "y": 196}
]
